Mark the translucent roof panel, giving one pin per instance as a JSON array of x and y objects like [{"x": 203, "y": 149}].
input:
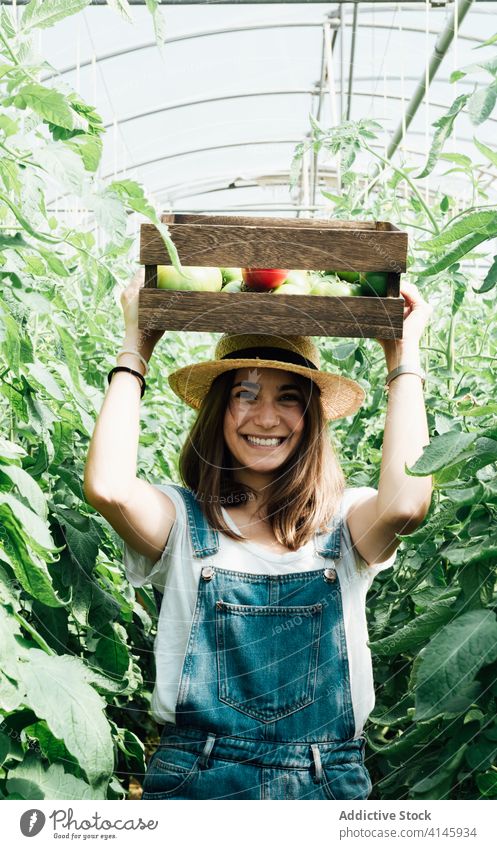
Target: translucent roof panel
[{"x": 210, "y": 121}]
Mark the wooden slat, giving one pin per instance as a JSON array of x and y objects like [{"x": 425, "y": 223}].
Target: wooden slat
[
  {"x": 277, "y": 247},
  {"x": 253, "y": 312},
  {"x": 246, "y": 221}
]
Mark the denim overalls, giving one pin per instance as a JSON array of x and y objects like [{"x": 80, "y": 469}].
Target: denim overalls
[{"x": 264, "y": 707}]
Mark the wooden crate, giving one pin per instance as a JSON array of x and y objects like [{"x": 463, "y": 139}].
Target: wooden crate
[{"x": 232, "y": 241}]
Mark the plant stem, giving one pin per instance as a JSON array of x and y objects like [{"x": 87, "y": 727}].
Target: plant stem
[
  {"x": 477, "y": 357},
  {"x": 450, "y": 354},
  {"x": 408, "y": 181},
  {"x": 23, "y": 159},
  {"x": 9, "y": 384},
  {"x": 33, "y": 634},
  {"x": 415, "y": 226}
]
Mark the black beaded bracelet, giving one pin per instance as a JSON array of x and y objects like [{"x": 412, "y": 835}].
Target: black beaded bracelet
[{"x": 131, "y": 371}]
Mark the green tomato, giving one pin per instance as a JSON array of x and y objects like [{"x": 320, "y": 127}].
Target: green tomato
[
  {"x": 289, "y": 289},
  {"x": 199, "y": 278},
  {"x": 300, "y": 278},
  {"x": 230, "y": 274},
  {"x": 332, "y": 288},
  {"x": 351, "y": 276},
  {"x": 355, "y": 289},
  {"x": 375, "y": 283},
  {"x": 233, "y": 286}
]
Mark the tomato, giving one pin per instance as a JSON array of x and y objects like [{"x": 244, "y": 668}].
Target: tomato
[
  {"x": 262, "y": 279},
  {"x": 200, "y": 278},
  {"x": 230, "y": 274},
  {"x": 375, "y": 283},
  {"x": 351, "y": 276},
  {"x": 348, "y": 276},
  {"x": 298, "y": 277},
  {"x": 289, "y": 289},
  {"x": 233, "y": 286},
  {"x": 333, "y": 288}
]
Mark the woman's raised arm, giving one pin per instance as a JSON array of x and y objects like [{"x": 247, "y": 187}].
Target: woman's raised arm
[
  {"x": 402, "y": 501},
  {"x": 406, "y": 427},
  {"x": 110, "y": 469}
]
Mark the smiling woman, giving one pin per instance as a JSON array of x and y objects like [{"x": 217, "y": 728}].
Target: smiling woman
[
  {"x": 264, "y": 562},
  {"x": 293, "y": 488}
]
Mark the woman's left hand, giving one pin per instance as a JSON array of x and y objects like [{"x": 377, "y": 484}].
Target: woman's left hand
[{"x": 417, "y": 313}]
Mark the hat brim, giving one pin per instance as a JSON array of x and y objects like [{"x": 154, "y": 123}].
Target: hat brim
[{"x": 340, "y": 396}]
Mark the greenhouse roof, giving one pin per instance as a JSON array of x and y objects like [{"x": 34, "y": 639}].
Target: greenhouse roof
[{"x": 210, "y": 120}]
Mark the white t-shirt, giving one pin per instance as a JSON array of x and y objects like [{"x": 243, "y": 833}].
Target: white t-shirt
[{"x": 177, "y": 574}]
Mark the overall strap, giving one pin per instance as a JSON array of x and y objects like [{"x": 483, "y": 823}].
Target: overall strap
[
  {"x": 329, "y": 544},
  {"x": 205, "y": 540}
]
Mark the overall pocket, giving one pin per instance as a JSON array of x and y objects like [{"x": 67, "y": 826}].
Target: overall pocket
[
  {"x": 169, "y": 772},
  {"x": 267, "y": 657},
  {"x": 347, "y": 781}
]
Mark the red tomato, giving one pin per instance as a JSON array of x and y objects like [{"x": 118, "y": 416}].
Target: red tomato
[{"x": 261, "y": 279}]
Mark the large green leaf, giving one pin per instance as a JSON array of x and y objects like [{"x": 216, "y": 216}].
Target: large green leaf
[
  {"x": 83, "y": 537},
  {"x": 10, "y": 647},
  {"x": 58, "y": 692},
  {"x": 24, "y": 222},
  {"x": 111, "y": 653},
  {"x": 30, "y": 780},
  {"x": 10, "y": 338},
  {"x": 490, "y": 278},
  {"x": 132, "y": 193},
  {"x": 110, "y": 213},
  {"x": 442, "y": 451},
  {"x": 441, "y": 771},
  {"x": 415, "y": 633},
  {"x": 404, "y": 744},
  {"x": 490, "y": 154},
  {"x": 450, "y": 662},
  {"x": 444, "y": 126},
  {"x": 487, "y": 783},
  {"x": 49, "y": 104},
  {"x": 438, "y": 522},
  {"x": 32, "y": 524},
  {"x": 64, "y": 165},
  {"x": 485, "y": 549},
  {"x": 89, "y": 148},
  {"x": 489, "y": 65},
  {"x": 52, "y": 625},
  {"x": 44, "y": 379},
  {"x": 90, "y": 604},
  {"x": 29, "y": 568},
  {"x": 483, "y": 222},
  {"x": 10, "y": 451},
  {"x": 27, "y": 487},
  {"x": 41, "y": 14},
  {"x": 481, "y": 103}
]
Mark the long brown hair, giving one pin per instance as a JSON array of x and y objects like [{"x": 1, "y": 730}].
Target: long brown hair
[{"x": 309, "y": 485}]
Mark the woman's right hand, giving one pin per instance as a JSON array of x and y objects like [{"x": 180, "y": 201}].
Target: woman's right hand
[{"x": 144, "y": 338}]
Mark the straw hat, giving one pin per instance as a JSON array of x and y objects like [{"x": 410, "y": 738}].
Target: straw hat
[{"x": 340, "y": 396}]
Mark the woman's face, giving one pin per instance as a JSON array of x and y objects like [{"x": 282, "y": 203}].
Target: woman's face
[{"x": 264, "y": 403}]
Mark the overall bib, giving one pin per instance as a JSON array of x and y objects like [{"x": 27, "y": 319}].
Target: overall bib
[{"x": 264, "y": 708}]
